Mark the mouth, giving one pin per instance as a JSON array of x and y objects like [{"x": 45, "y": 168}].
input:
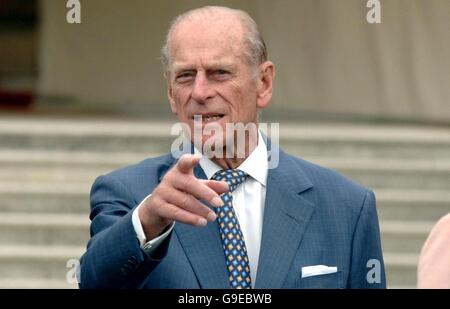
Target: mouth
[{"x": 208, "y": 117}]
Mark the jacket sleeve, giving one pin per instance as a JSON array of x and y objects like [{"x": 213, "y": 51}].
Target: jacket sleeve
[
  {"x": 114, "y": 258},
  {"x": 367, "y": 265}
]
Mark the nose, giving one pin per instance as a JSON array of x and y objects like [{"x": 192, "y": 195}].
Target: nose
[{"x": 203, "y": 90}]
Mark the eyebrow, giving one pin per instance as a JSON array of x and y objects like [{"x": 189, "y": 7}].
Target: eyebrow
[{"x": 211, "y": 67}]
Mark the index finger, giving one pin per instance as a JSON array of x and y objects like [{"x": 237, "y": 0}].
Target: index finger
[{"x": 187, "y": 162}]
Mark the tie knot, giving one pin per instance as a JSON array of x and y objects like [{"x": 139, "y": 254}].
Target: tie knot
[{"x": 233, "y": 177}]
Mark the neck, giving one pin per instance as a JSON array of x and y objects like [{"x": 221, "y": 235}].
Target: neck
[
  {"x": 226, "y": 163},
  {"x": 235, "y": 159}
]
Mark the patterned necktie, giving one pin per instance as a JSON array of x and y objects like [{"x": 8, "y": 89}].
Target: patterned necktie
[{"x": 231, "y": 234}]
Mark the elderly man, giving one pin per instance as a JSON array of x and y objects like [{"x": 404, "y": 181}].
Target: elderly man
[{"x": 230, "y": 221}]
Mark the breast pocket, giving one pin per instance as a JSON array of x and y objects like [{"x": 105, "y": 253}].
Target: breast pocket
[{"x": 326, "y": 281}]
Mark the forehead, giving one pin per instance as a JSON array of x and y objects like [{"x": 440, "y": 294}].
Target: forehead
[{"x": 206, "y": 42}]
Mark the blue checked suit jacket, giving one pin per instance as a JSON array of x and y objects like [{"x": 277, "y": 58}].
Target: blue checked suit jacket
[{"x": 313, "y": 216}]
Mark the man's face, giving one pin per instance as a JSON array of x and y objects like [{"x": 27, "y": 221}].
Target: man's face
[{"x": 210, "y": 76}]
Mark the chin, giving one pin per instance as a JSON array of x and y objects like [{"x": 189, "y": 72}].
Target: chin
[{"x": 211, "y": 145}]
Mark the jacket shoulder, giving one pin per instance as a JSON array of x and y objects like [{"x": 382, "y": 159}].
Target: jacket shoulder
[
  {"x": 333, "y": 186},
  {"x": 149, "y": 166},
  {"x": 137, "y": 180}
]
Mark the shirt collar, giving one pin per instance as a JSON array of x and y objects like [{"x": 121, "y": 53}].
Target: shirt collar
[{"x": 255, "y": 165}]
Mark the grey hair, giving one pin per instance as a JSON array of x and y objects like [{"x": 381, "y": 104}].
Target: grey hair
[{"x": 256, "y": 50}]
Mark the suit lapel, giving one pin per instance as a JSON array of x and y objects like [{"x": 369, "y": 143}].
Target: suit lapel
[
  {"x": 286, "y": 215},
  {"x": 203, "y": 248}
]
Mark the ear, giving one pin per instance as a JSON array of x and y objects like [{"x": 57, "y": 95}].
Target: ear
[
  {"x": 265, "y": 84},
  {"x": 173, "y": 105}
]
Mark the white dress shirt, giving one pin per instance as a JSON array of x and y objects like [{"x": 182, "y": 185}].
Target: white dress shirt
[{"x": 248, "y": 203}]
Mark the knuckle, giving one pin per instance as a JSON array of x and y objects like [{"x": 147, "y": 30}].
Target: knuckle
[
  {"x": 205, "y": 209},
  {"x": 185, "y": 200},
  {"x": 209, "y": 194},
  {"x": 201, "y": 209},
  {"x": 154, "y": 204},
  {"x": 187, "y": 182},
  {"x": 176, "y": 213},
  {"x": 158, "y": 193},
  {"x": 168, "y": 176}
]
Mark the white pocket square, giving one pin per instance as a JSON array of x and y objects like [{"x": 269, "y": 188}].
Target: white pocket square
[{"x": 316, "y": 270}]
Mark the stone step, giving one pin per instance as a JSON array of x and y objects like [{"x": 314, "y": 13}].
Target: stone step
[
  {"x": 37, "y": 262},
  {"x": 371, "y": 172},
  {"x": 302, "y": 139},
  {"x": 403, "y": 236},
  {"x": 51, "y": 174},
  {"x": 401, "y": 173},
  {"x": 403, "y": 180},
  {"x": 412, "y": 205},
  {"x": 401, "y": 269},
  {"x": 44, "y": 187},
  {"x": 44, "y": 229},
  {"x": 76, "y": 134},
  {"x": 88, "y": 159},
  {"x": 35, "y": 283},
  {"x": 57, "y": 158},
  {"x": 43, "y": 200},
  {"x": 309, "y": 131}
]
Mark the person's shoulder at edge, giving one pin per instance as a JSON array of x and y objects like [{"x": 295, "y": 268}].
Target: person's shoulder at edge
[{"x": 434, "y": 260}]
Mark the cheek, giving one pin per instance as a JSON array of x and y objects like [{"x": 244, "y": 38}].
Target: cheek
[
  {"x": 177, "y": 93},
  {"x": 181, "y": 97},
  {"x": 234, "y": 94},
  {"x": 244, "y": 100}
]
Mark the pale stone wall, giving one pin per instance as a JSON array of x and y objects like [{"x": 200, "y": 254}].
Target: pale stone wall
[{"x": 328, "y": 58}]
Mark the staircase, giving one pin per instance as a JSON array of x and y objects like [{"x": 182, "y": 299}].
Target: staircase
[{"x": 47, "y": 166}]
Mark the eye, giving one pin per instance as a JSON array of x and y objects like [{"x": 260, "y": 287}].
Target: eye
[
  {"x": 184, "y": 77},
  {"x": 221, "y": 74}
]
